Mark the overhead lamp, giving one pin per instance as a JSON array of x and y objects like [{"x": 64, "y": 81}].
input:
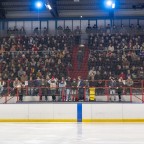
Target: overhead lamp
[
  {"x": 48, "y": 6},
  {"x": 110, "y": 4},
  {"x": 38, "y": 4},
  {"x": 113, "y": 5}
]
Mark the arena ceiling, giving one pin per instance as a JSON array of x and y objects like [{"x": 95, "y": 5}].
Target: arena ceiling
[{"x": 69, "y": 8}]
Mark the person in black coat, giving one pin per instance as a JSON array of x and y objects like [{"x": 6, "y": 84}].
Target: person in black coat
[
  {"x": 80, "y": 86},
  {"x": 119, "y": 91}
]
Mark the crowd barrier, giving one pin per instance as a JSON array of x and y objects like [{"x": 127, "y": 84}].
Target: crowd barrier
[
  {"x": 134, "y": 93},
  {"x": 72, "y": 112}
]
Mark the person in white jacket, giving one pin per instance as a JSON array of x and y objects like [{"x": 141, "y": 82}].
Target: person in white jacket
[{"x": 53, "y": 87}]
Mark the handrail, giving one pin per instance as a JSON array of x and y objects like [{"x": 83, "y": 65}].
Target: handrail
[{"x": 86, "y": 91}]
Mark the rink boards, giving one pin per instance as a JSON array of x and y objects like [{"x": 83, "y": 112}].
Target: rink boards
[{"x": 72, "y": 112}]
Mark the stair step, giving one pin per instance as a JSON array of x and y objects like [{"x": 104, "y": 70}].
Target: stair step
[{"x": 74, "y": 73}]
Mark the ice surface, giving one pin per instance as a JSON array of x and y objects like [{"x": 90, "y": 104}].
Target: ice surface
[{"x": 71, "y": 133}]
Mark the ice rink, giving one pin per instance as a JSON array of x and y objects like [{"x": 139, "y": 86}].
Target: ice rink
[{"x": 71, "y": 133}]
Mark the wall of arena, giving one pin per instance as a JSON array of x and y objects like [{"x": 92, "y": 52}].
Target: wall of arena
[{"x": 72, "y": 112}]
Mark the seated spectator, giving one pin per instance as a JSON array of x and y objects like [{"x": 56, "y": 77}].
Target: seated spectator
[
  {"x": 88, "y": 29},
  {"x": 20, "y": 72},
  {"x": 141, "y": 73},
  {"x": 111, "y": 48},
  {"x": 67, "y": 30},
  {"x": 108, "y": 29},
  {"x": 24, "y": 77},
  {"x": 36, "y": 31},
  {"x": 45, "y": 31},
  {"x": 22, "y": 31},
  {"x": 60, "y": 30},
  {"x": 122, "y": 75},
  {"x": 92, "y": 73},
  {"x": 129, "y": 83}
]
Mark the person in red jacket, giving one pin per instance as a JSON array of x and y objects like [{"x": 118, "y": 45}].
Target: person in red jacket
[{"x": 122, "y": 75}]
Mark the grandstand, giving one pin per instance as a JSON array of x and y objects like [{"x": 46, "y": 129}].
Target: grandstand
[
  {"x": 89, "y": 49},
  {"x": 71, "y": 61}
]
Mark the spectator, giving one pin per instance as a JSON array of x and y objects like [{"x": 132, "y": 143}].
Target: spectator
[
  {"x": 43, "y": 89},
  {"x": 129, "y": 83},
  {"x": 112, "y": 88},
  {"x": 17, "y": 86},
  {"x": 74, "y": 89},
  {"x": 111, "y": 48},
  {"x": 92, "y": 72},
  {"x": 119, "y": 91},
  {"x": 24, "y": 77},
  {"x": 53, "y": 87},
  {"x": 62, "y": 88},
  {"x": 88, "y": 29},
  {"x": 80, "y": 86},
  {"x": 77, "y": 33},
  {"x": 68, "y": 89}
]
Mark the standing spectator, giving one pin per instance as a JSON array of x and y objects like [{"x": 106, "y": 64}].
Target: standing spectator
[
  {"x": 62, "y": 86},
  {"x": 31, "y": 86},
  {"x": 86, "y": 90},
  {"x": 80, "y": 86},
  {"x": 129, "y": 83},
  {"x": 17, "y": 85},
  {"x": 119, "y": 91},
  {"x": 21, "y": 92},
  {"x": 37, "y": 84},
  {"x": 112, "y": 86},
  {"x": 68, "y": 89},
  {"x": 74, "y": 89},
  {"x": 53, "y": 87},
  {"x": 43, "y": 89}
]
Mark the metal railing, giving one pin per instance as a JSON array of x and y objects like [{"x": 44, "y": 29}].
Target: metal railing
[
  {"x": 31, "y": 32},
  {"x": 10, "y": 94}
]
